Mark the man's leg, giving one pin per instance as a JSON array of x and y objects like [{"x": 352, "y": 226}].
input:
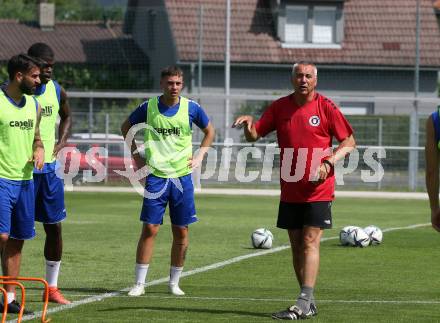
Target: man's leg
[
  {"x": 11, "y": 261},
  {"x": 307, "y": 263},
  {"x": 305, "y": 251},
  {"x": 296, "y": 246},
  {"x": 311, "y": 244},
  {"x": 53, "y": 250},
  {"x": 178, "y": 254},
  {"x": 143, "y": 256},
  {"x": 182, "y": 213}
]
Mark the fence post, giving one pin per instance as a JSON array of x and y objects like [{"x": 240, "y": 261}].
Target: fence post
[
  {"x": 227, "y": 66},
  {"x": 107, "y": 126},
  {"x": 90, "y": 117},
  {"x": 379, "y": 143},
  {"x": 413, "y": 161}
]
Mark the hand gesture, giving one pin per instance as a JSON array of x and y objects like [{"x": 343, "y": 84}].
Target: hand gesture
[
  {"x": 245, "y": 120},
  {"x": 38, "y": 158},
  {"x": 57, "y": 148},
  {"x": 321, "y": 173},
  {"x": 194, "y": 162}
]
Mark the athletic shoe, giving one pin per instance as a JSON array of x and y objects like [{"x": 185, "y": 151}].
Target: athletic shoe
[
  {"x": 14, "y": 307},
  {"x": 55, "y": 296},
  {"x": 292, "y": 313},
  {"x": 175, "y": 290},
  {"x": 137, "y": 290},
  {"x": 313, "y": 311}
]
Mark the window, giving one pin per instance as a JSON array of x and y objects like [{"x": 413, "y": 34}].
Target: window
[
  {"x": 296, "y": 24},
  {"x": 312, "y": 26},
  {"x": 324, "y": 25}
]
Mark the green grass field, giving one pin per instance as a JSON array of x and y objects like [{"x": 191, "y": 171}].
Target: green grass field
[{"x": 398, "y": 281}]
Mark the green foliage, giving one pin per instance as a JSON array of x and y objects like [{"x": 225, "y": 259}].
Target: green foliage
[
  {"x": 86, "y": 10},
  {"x": 71, "y": 10},
  {"x": 102, "y": 77},
  {"x": 3, "y": 73},
  {"x": 24, "y": 10}
]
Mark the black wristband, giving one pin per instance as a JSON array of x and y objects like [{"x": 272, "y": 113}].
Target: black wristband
[{"x": 326, "y": 161}]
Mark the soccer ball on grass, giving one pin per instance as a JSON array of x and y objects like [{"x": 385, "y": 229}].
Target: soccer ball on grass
[
  {"x": 375, "y": 234},
  {"x": 344, "y": 233},
  {"x": 262, "y": 239},
  {"x": 358, "y": 238}
]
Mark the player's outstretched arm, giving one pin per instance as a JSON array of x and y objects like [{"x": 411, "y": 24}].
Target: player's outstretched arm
[
  {"x": 38, "y": 148},
  {"x": 432, "y": 173},
  {"x": 209, "y": 134},
  {"x": 65, "y": 125},
  {"x": 247, "y": 122}
]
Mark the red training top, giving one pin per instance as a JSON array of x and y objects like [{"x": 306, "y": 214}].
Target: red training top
[{"x": 305, "y": 136}]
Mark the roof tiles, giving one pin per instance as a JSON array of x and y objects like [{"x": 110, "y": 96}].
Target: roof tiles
[
  {"x": 73, "y": 42},
  {"x": 376, "y": 32}
]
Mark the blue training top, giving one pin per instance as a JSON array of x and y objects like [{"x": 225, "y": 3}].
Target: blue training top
[
  {"x": 196, "y": 114},
  {"x": 436, "y": 121}
]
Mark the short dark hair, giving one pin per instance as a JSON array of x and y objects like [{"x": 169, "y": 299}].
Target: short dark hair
[
  {"x": 171, "y": 71},
  {"x": 41, "y": 50},
  {"x": 21, "y": 63}
]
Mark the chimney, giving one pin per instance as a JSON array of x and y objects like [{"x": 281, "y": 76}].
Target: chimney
[{"x": 46, "y": 15}]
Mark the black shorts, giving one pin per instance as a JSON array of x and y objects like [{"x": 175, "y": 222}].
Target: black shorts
[{"x": 299, "y": 215}]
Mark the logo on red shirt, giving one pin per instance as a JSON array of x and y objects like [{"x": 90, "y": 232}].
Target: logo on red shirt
[{"x": 314, "y": 121}]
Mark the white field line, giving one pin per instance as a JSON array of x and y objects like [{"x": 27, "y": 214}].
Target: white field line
[
  {"x": 216, "y": 265},
  {"x": 250, "y": 299},
  {"x": 264, "y": 192}
]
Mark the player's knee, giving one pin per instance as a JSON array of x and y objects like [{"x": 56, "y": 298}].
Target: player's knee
[
  {"x": 149, "y": 231},
  {"x": 3, "y": 240}
]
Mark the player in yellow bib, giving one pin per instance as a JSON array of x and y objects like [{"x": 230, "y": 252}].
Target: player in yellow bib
[
  {"x": 49, "y": 188},
  {"x": 21, "y": 149},
  {"x": 168, "y": 123}
]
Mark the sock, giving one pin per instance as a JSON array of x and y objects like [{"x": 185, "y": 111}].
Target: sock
[
  {"x": 141, "y": 271},
  {"x": 52, "y": 271},
  {"x": 11, "y": 297},
  {"x": 304, "y": 298},
  {"x": 175, "y": 273}
]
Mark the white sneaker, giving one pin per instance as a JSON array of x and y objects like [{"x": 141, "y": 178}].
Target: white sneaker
[
  {"x": 175, "y": 290},
  {"x": 137, "y": 290}
]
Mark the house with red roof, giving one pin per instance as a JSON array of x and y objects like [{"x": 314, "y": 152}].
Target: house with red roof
[
  {"x": 84, "y": 44},
  {"x": 362, "y": 48}
]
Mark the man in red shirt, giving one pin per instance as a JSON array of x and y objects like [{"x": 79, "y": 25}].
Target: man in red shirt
[{"x": 305, "y": 123}]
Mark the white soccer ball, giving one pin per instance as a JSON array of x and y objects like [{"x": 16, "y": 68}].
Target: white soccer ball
[
  {"x": 344, "y": 233},
  {"x": 262, "y": 239},
  {"x": 375, "y": 234},
  {"x": 358, "y": 238}
]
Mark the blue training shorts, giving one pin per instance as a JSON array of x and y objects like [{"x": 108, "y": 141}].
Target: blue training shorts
[
  {"x": 162, "y": 191},
  {"x": 49, "y": 198},
  {"x": 17, "y": 208}
]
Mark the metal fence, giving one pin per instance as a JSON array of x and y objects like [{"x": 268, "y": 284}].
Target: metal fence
[
  {"x": 231, "y": 164},
  {"x": 377, "y": 61},
  {"x": 98, "y": 117}
]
